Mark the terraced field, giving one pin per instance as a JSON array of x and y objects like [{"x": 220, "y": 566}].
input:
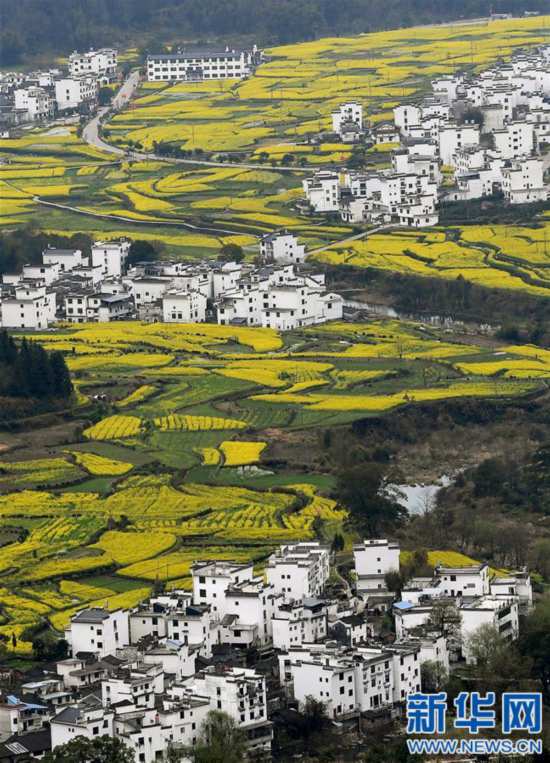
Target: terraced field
[
  {"x": 184, "y": 471},
  {"x": 496, "y": 256},
  {"x": 270, "y": 119},
  {"x": 291, "y": 96}
]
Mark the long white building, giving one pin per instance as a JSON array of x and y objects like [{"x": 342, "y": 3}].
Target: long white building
[{"x": 203, "y": 63}]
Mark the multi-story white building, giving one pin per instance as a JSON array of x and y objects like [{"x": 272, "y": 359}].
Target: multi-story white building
[
  {"x": 239, "y": 692},
  {"x": 501, "y": 613},
  {"x": 299, "y": 571},
  {"x": 147, "y": 289},
  {"x": 203, "y": 63},
  {"x": 98, "y": 631},
  {"x": 176, "y": 618},
  {"x": 19, "y": 717},
  {"x": 323, "y": 191},
  {"x": 454, "y": 137},
  {"x": 111, "y": 256},
  {"x": 282, "y": 248},
  {"x": 102, "y": 63},
  {"x": 211, "y": 579},
  {"x": 249, "y": 610},
  {"x": 67, "y": 259},
  {"x": 87, "y": 718},
  {"x": 36, "y": 102},
  {"x": 522, "y": 181},
  {"x": 84, "y": 307},
  {"x": 517, "y": 584},
  {"x": 374, "y": 558},
  {"x": 349, "y": 681},
  {"x": 463, "y": 581},
  {"x": 182, "y": 306},
  {"x": 30, "y": 307},
  {"x": 299, "y": 622},
  {"x": 41, "y": 274},
  {"x": 516, "y": 139},
  {"x": 139, "y": 684},
  {"x": 350, "y": 113},
  {"x": 73, "y": 92},
  {"x": 407, "y": 116},
  {"x": 176, "y": 658}
]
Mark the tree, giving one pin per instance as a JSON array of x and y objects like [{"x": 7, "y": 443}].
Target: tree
[
  {"x": 434, "y": 676},
  {"x": 220, "y": 740},
  {"x": 446, "y": 617},
  {"x": 362, "y": 488},
  {"x": 142, "y": 251},
  {"x": 338, "y": 542},
  {"x": 47, "y": 649},
  {"x": 61, "y": 378},
  {"x": 498, "y": 664},
  {"x": 104, "y": 96},
  {"x": 231, "y": 253},
  {"x": 482, "y": 643},
  {"x": 102, "y": 749},
  {"x": 315, "y": 715},
  {"x": 535, "y": 643},
  {"x": 394, "y": 581}
]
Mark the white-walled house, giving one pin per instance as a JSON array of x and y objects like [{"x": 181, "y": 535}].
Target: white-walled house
[
  {"x": 522, "y": 181},
  {"x": 181, "y": 306},
  {"x": 98, "y": 631},
  {"x": 463, "y": 581},
  {"x": 350, "y": 680},
  {"x": 406, "y": 116},
  {"x": 18, "y": 716},
  {"x": 212, "y": 578},
  {"x": 138, "y": 684},
  {"x": 374, "y": 558},
  {"x": 515, "y": 584},
  {"x": 102, "y": 63},
  {"x": 175, "y": 657},
  {"x": 45, "y": 274},
  {"x": 323, "y": 191},
  {"x": 239, "y": 692},
  {"x": 248, "y": 610},
  {"x": 72, "y": 92},
  {"x": 30, "y": 307},
  {"x": 67, "y": 259},
  {"x": 87, "y": 718},
  {"x": 347, "y": 113},
  {"x": 300, "y": 622},
  {"x": 282, "y": 248},
  {"x": 500, "y": 613},
  {"x": 111, "y": 256},
  {"x": 453, "y": 137},
  {"x": 516, "y": 139},
  {"x": 299, "y": 571},
  {"x": 36, "y": 102}
]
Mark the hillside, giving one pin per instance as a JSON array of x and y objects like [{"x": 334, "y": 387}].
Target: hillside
[{"x": 42, "y": 26}]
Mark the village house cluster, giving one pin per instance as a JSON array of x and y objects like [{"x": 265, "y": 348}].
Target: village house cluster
[
  {"x": 151, "y": 674},
  {"x": 485, "y": 132},
  {"x": 40, "y": 96},
  {"x": 280, "y": 292},
  {"x": 200, "y": 63}
]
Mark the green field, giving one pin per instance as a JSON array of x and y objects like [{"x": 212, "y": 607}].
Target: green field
[
  {"x": 271, "y": 118},
  {"x": 186, "y": 472}
]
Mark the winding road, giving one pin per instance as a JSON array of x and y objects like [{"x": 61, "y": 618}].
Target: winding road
[{"x": 91, "y": 135}]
